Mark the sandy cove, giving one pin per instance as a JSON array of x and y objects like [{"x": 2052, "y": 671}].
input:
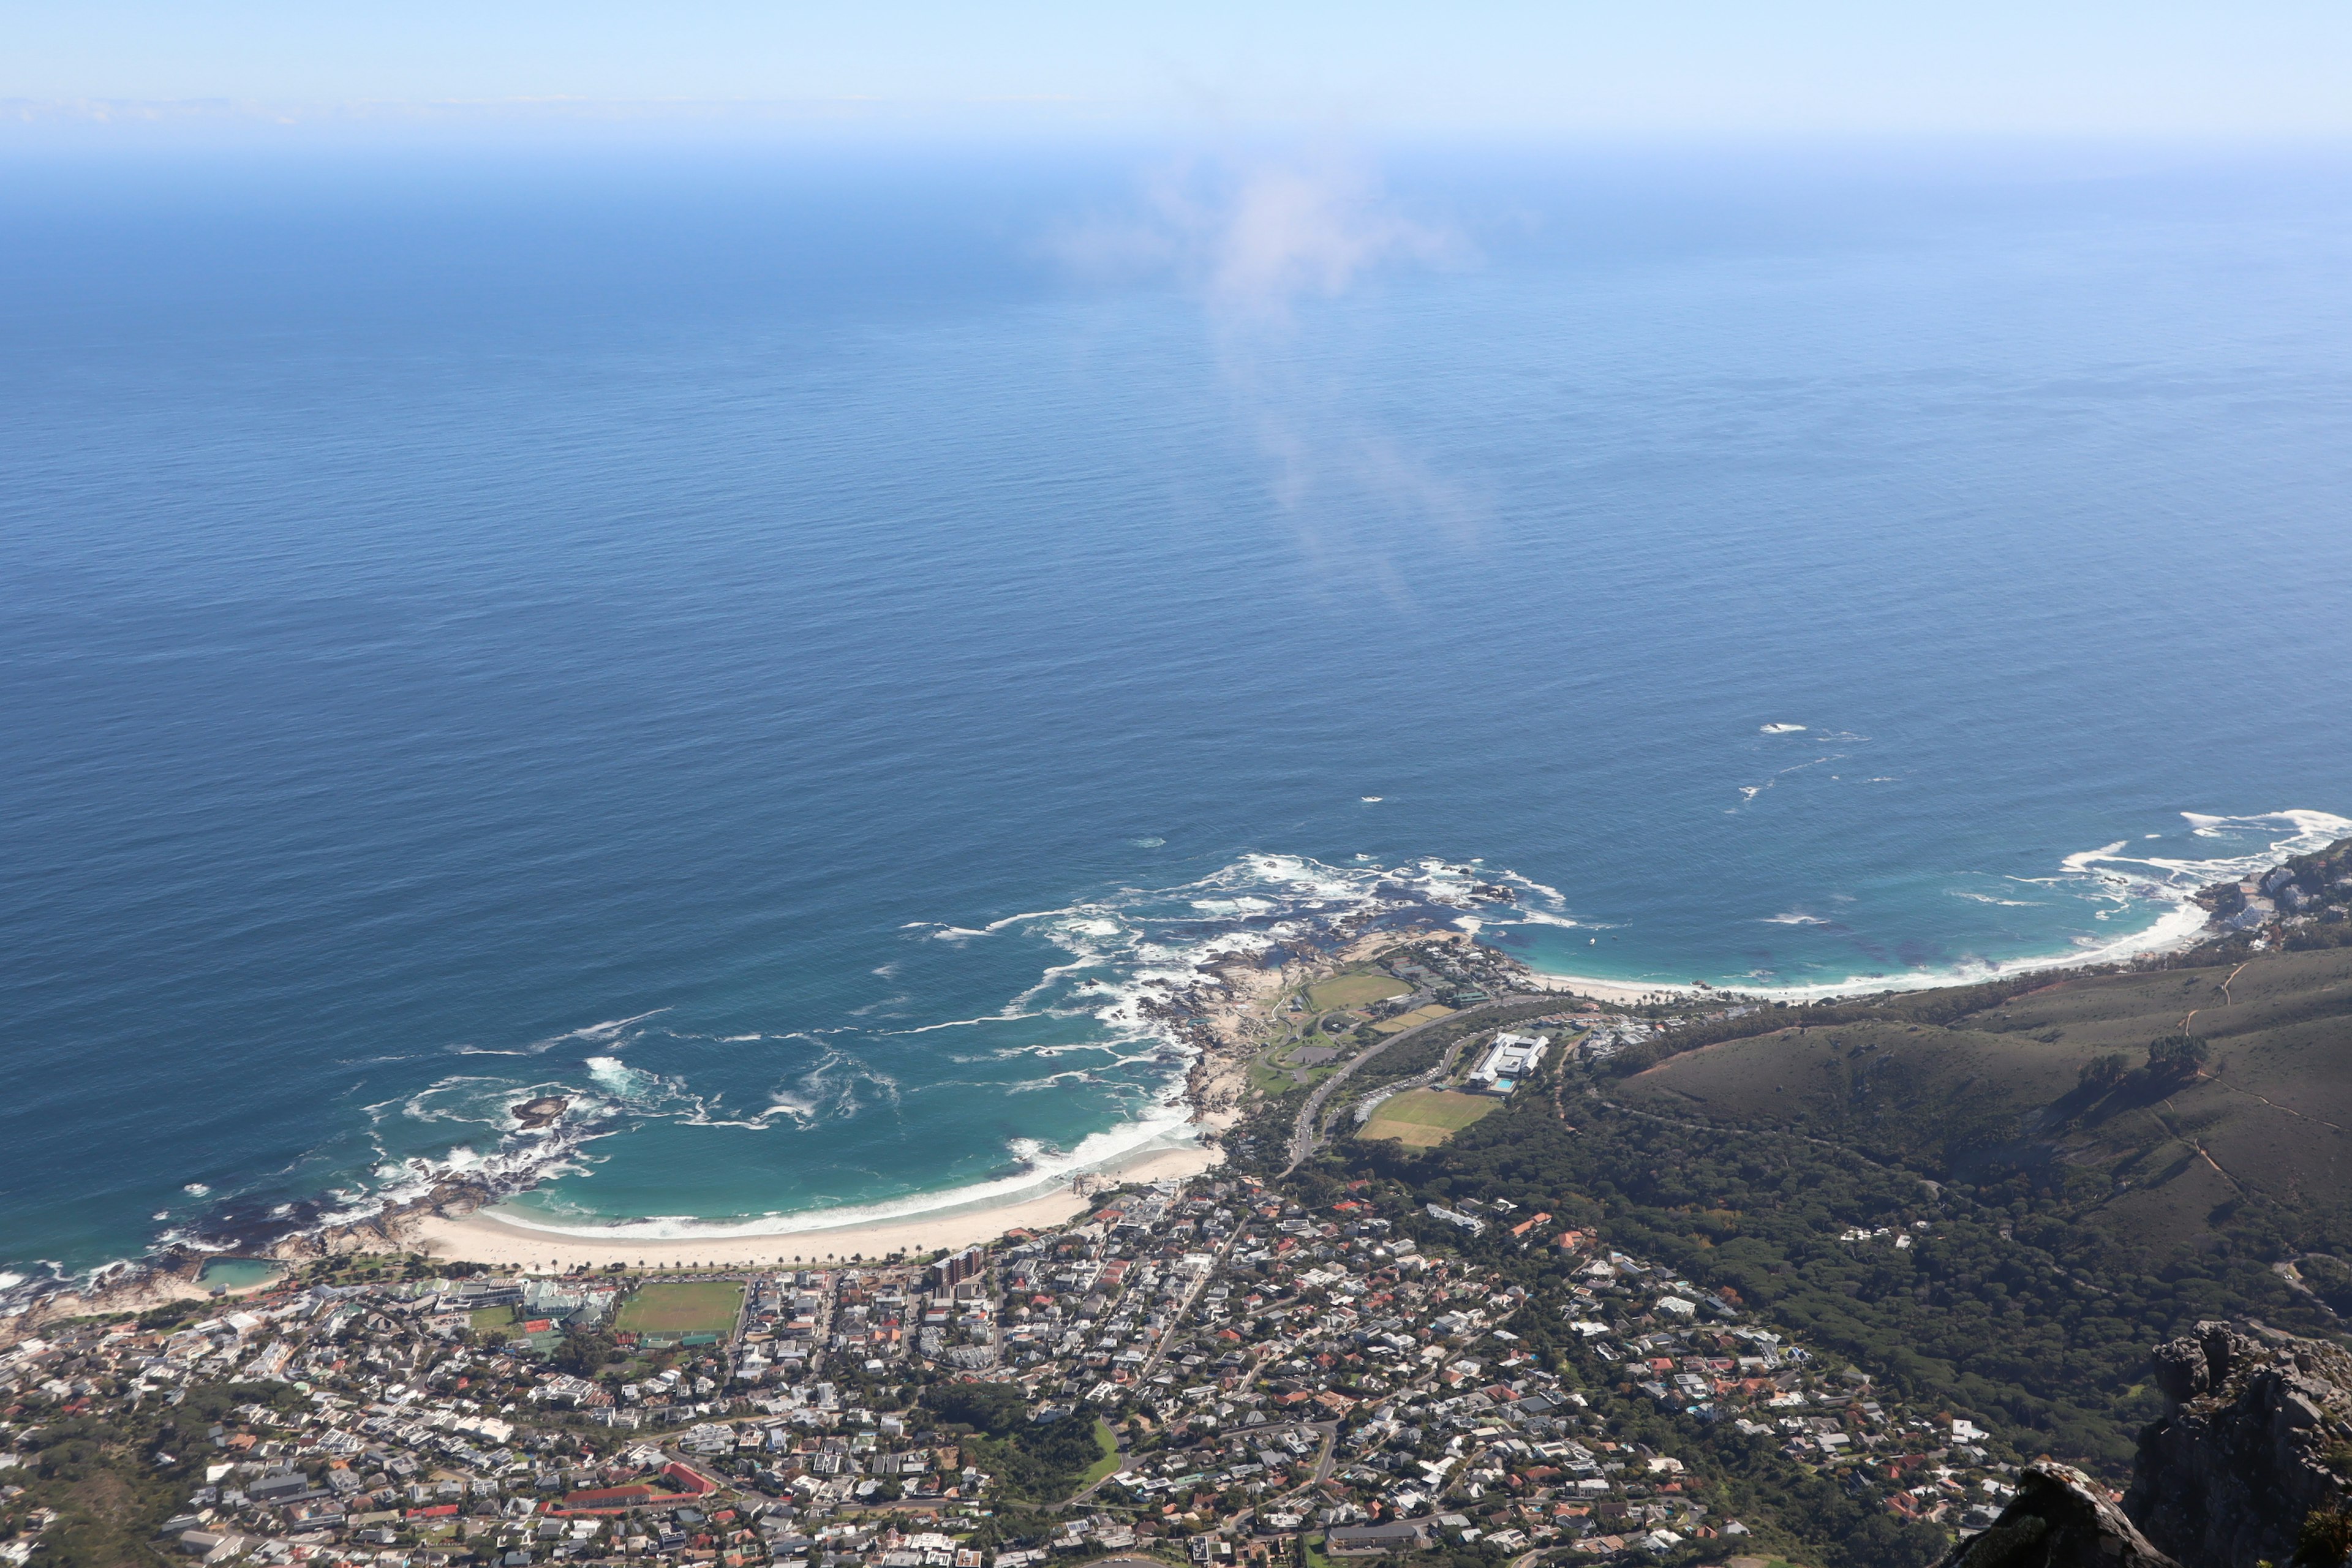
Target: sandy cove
[{"x": 483, "y": 1237}]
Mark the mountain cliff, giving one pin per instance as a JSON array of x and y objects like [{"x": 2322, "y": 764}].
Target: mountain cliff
[
  {"x": 2246, "y": 1468},
  {"x": 2253, "y": 1446}
]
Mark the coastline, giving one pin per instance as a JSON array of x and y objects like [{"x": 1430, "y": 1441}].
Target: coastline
[
  {"x": 1218, "y": 1013},
  {"x": 484, "y": 1236},
  {"x": 2180, "y": 928}
]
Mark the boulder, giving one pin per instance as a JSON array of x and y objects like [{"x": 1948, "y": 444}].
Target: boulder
[{"x": 2060, "y": 1518}]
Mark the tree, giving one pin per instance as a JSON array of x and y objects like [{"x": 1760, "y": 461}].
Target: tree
[
  {"x": 584, "y": 1350},
  {"x": 2176, "y": 1056},
  {"x": 2102, "y": 1073}
]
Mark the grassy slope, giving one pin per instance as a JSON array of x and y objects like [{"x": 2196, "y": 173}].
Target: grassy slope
[
  {"x": 1109, "y": 1461},
  {"x": 2258, "y": 1139}
]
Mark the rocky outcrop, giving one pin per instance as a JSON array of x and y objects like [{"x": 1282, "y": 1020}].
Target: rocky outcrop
[
  {"x": 2060, "y": 1518},
  {"x": 2226, "y": 1478}
]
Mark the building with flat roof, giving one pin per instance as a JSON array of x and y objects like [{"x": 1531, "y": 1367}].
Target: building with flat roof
[{"x": 1507, "y": 1060}]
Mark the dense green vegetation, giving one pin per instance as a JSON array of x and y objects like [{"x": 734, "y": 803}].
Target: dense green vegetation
[
  {"x": 1038, "y": 1462},
  {"x": 113, "y": 1480},
  {"x": 2094, "y": 1163}
]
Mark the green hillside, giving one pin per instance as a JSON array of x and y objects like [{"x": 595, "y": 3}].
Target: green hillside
[
  {"x": 2251, "y": 1138},
  {"x": 2076, "y": 1168}
]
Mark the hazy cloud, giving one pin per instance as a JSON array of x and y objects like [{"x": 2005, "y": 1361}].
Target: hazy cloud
[
  {"x": 1251, "y": 242},
  {"x": 1252, "y": 237}
]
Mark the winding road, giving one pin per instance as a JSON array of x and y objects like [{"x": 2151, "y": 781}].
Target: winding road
[{"x": 1307, "y": 1131}]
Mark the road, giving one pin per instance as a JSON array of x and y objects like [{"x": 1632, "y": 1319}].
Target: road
[
  {"x": 1176, "y": 1319},
  {"x": 1160, "y": 1348},
  {"x": 1307, "y": 1130}
]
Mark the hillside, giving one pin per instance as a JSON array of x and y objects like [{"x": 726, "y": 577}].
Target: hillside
[
  {"x": 2254, "y": 1136},
  {"x": 2077, "y": 1169}
]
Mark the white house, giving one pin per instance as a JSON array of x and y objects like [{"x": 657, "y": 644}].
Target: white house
[{"x": 1510, "y": 1058}]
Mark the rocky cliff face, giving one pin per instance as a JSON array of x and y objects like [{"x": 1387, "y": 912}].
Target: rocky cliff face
[
  {"x": 2060, "y": 1518},
  {"x": 2226, "y": 1480}
]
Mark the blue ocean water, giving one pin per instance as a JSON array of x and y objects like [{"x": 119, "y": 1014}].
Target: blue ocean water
[{"x": 784, "y": 652}]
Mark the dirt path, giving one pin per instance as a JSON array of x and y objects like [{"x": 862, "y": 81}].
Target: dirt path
[{"x": 2275, "y": 1105}]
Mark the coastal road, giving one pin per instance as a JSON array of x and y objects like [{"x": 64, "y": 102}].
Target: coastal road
[{"x": 1307, "y": 1131}]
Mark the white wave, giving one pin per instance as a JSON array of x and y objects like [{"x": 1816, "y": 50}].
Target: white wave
[
  {"x": 2128, "y": 882},
  {"x": 196, "y": 1189},
  {"x": 966, "y": 1023},
  {"x": 1148, "y": 842},
  {"x": 620, "y": 1079},
  {"x": 1044, "y": 1170},
  {"x": 10, "y": 1281},
  {"x": 1988, "y": 899},
  {"x": 1793, "y": 918},
  {"x": 1780, "y": 730},
  {"x": 514, "y": 1165},
  {"x": 2277, "y": 835},
  {"x": 1372, "y": 799},
  {"x": 603, "y": 1031}
]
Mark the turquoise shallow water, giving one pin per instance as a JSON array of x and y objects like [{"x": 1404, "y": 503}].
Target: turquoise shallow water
[{"x": 785, "y": 655}]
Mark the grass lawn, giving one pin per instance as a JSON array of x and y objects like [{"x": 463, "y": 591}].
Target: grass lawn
[
  {"x": 1269, "y": 1079},
  {"x": 682, "y": 1307},
  {"x": 484, "y": 1318},
  {"x": 1353, "y": 991},
  {"x": 1424, "y": 1117},
  {"x": 1109, "y": 1443},
  {"x": 1404, "y": 1021}
]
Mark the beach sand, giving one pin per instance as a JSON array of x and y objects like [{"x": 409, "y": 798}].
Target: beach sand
[
  {"x": 1620, "y": 993},
  {"x": 483, "y": 1237}
]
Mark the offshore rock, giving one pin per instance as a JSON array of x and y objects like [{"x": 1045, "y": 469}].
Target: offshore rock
[
  {"x": 2060, "y": 1518},
  {"x": 2225, "y": 1479}
]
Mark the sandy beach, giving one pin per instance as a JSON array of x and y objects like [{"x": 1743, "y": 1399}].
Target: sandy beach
[
  {"x": 483, "y": 1237},
  {"x": 1618, "y": 993}
]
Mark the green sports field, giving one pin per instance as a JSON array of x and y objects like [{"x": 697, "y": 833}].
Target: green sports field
[
  {"x": 682, "y": 1307},
  {"x": 1424, "y": 1117},
  {"x": 1353, "y": 991}
]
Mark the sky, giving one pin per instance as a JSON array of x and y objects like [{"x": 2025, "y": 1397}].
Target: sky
[{"x": 1575, "y": 67}]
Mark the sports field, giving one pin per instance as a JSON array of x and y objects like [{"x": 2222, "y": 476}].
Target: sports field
[
  {"x": 1352, "y": 991},
  {"x": 1404, "y": 1021},
  {"x": 1424, "y": 1117},
  {"x": 682, "y": 1307}
]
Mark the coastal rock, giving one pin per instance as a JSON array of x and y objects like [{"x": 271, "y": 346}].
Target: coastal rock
[
  {"x": 2060, "y": 1518},
  {"x": 544, "y": 1112},
  {"x": 2228, "y": 1477}
]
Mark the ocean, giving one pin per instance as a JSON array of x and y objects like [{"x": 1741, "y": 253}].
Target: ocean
[{"x": 783, "y": 649}]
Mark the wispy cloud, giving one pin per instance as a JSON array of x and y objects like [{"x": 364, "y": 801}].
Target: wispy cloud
[
  {"x": 1252, "y": 237},
  {"x": 1252, "y": 241}
]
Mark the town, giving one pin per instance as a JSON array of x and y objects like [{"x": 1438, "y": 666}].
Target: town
[{"x": 1220, "y": 1369}]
